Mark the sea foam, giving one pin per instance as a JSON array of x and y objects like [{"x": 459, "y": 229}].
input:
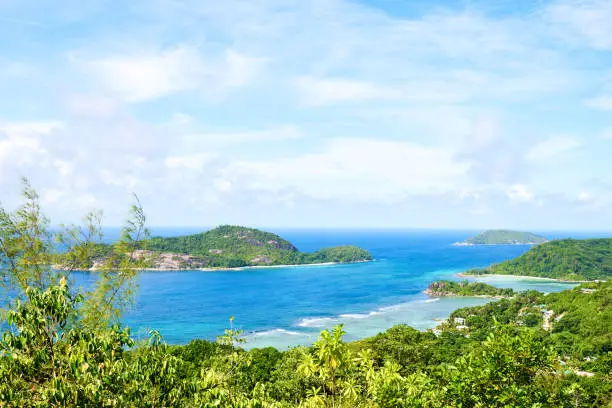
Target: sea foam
[
  {"x": 315, "y": 322},
  {"x": 279, "y": 331}
]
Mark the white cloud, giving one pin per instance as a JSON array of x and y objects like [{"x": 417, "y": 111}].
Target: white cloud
[
  {"x": 240, "y": 69},
  {"x": 222, "y": 184},
  {"x": 519, "y": 193},
  {"x": 469, "y": 195},
  {"x": 64, "y": 167},
  {"x": 21, "y": 144},
  {"x": 51, "y": 196},
  {"x": 15, "y": 129},
  {"x": 317, "y": 91},
  {"x": 204, "y": 140},
  {"x": 20, "y": 149},
  {"x": 481, "y": 211},
  {"x": 357, "y": 169},
  {"x": 195, "y": 161},
  {"x": 146, "y": 76},
  {"x": 606, "y": 134},
  {"x": 91, "y": 106},
  {"x": 583, "y": 21},
  {"x": 603, "y": 103},
  {"x": 549, "y": 148}
]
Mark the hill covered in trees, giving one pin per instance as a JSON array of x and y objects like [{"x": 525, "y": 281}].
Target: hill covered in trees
[
  {"x": 229, "y": 247},
  {"x": 567, "y": 259},
  {"x": 465, "y": 288},
  {"x": 503, "y": 237}
]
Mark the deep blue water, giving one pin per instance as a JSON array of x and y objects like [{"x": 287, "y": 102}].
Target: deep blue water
[{"x": 288, "y": 306}]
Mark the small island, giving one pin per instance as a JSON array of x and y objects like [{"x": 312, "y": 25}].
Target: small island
[
  {"x": 227, "y": 247},
  {"x": 566, "y": 260},
  {"x": 503, "y": 237},
  {"x": 446, "y": 288}
]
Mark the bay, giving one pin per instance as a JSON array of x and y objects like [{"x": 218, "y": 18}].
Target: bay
[{"x": 283, "y": 307}]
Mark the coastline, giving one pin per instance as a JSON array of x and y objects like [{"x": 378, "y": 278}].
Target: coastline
[
  {"x": 454, "y": 295},
  {"x": 241, "y": 268},
  {"x": 464, "y": 244},
  {"x": 494, "y": 275}
]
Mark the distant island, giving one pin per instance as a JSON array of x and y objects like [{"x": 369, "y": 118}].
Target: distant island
[
  {"x": 450, "y": 288},
  {"x": 228, "y": 247},
  {"x": 567, "y": 259},
  {"x": 503, "y": 237}
]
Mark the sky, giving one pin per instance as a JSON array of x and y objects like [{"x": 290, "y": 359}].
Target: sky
[{"x": 463, "y": 114}]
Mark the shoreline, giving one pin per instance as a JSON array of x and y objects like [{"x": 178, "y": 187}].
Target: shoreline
[
  {"x": 465, "y": 244},
  {"x": 241, "y": 268},
  {"x": 454, "y": 295},
  {"x": 494, "y": 275}
]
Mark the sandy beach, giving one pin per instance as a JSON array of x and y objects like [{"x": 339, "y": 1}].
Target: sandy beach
[
  {"x": 242, "y": 268},
  {"x": 492, "y": 275}
]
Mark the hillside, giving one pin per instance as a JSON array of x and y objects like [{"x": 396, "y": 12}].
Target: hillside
[
  {"x": 573, "y": 326},
  {"x": 504, "y": 237},
  {"x": 578, "y": 319},
  {"x": 232, "y": 247},
  {"x": 465, "y": 288},
  {"x": 567, "y": 259}
]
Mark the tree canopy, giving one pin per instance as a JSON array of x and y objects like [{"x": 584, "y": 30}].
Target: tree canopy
[
  {"x": 229, "y": 246},
  {"x": 465, "y": 288},
  {"x": 567, "y": 259},
  {"x": 504, "y": 237}
]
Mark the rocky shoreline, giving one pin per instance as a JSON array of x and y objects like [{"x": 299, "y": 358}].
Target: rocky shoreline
[{"x": 96, "y": 268}]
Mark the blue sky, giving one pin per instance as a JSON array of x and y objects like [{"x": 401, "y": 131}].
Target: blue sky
[{"x": 280, "y": 113}]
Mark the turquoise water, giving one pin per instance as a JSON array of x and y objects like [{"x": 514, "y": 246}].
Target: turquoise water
[{"x": 282, "y": 307}]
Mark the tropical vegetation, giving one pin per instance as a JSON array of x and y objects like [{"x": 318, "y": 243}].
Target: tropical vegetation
[
  {"x": 227, "y": 246},
  {"x": 64, "y": 346},
  {"x": 504, "y": 237},
  {"x": 465, "y": 288},
  {"x": 567, "y": 259}
]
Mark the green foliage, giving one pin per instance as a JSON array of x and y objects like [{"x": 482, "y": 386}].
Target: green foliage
[
  {"x": 567, "y": 259},
  {"x": 465, "y": 288},
  {"x": 505, "y": 237},
  {"x": 504, "y": 371},
  {"x": 227, "y": 243},
  {"x": 340, "y": 254},
  {"x": 584, "y": 321},
  {"x": 26, "y": 247},
  {"x": 65, "y": 348},
  {"x": 579, "y": 322},
  {"x": 233, "y": 247}
]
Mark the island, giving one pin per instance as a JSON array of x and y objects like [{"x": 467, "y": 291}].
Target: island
[
  {"x": 503, "y": 237},
  {"x": 444, "y": 288},
  {"x": 227, "y": 247},
  {"x": 567, "y": 260}
]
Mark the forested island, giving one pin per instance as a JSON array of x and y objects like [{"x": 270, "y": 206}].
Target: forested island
[
  {"x": 226, "y": 247},
  {"x": 444, "y": 288},
  {"x": 503, "y": 237},
  {"x": 567, "y": 259}
]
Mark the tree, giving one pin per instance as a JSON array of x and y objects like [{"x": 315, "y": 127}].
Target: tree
[
  {"x": 61, "y": 344},
  {"x": 504, "y": 371}
]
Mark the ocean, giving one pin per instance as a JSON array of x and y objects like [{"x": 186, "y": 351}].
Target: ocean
[{"x": 284, "y": 307}]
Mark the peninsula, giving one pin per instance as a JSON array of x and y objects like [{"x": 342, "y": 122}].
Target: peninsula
[
  {"x": 567, "y": 259},
  {"x": 228, "y": 247},
  {"x": 446, "y": 288},
  {"x": 503, "y": 237}
]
